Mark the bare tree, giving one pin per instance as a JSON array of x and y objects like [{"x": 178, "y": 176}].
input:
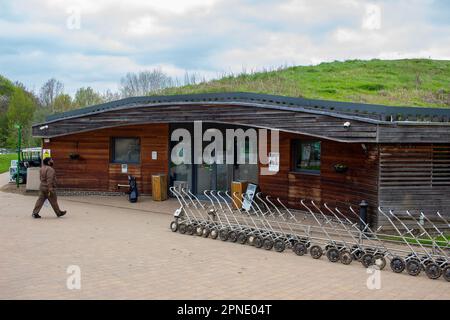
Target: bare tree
[
  {"x": 49, "y": 91},
  {"x": 144, "y": 83},
  {"x": 190, "y": 79},
  {"x": 108, "y": 96}
]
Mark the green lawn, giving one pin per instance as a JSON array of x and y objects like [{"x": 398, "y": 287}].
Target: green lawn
[
  {"x": 439, "y": 241},
  {"x": 5, "y": 161},
  {"x": 410, "y": 82}
]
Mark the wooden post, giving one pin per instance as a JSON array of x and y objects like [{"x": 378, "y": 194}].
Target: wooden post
[{"x": 239, "y": 188}]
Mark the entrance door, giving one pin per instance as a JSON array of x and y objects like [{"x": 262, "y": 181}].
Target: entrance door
[
  {"x": 213, "y": 177},
  {"x": 205, "y": 174},
  {"x": 201, "y": 177}
]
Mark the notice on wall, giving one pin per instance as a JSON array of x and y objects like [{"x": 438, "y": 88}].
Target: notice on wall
[
  {"x": 154, "y": 155},
  {"x": 274, "y": 161},
  {"x": 124, "y": 168},
  {"x": 46, "y": 153}
]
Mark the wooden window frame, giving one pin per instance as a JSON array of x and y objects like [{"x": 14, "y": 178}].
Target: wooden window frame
[
  {"x": 296, "y": 149},
  {"x": 112, "y": 153}
]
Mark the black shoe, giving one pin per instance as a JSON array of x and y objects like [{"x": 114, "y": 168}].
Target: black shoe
[
  {"x": 36, "y": 216},
  {"x": 61, "y": 213}
]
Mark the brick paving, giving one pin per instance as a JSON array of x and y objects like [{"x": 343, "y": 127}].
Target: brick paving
[{"x": 127, "y": 251}]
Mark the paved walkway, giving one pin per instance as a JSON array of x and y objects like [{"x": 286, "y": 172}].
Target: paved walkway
[{"x": 125, "y": 253}]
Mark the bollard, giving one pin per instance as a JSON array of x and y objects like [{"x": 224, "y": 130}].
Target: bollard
[{"x": 363, "y": 214}]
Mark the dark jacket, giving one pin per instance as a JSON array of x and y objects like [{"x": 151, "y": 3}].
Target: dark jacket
[{"x": 48, "y": 178}]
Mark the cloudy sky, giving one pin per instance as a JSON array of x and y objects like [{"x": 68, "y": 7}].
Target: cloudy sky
[{"x": 94, "y": 43}]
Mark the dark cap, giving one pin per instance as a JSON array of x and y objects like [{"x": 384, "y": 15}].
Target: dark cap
[{"x": 47, "y": 160}]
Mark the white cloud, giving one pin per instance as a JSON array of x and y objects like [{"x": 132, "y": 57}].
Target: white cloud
[
  {"x": 207, "y": 37},
  {"x": 145, "y": 26},
  {"x": 372, "y": 17}
]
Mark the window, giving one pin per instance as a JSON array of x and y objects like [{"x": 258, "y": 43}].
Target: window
[
  {"x": 306, "y": 156},
  {"x": 126, "y": 150}
]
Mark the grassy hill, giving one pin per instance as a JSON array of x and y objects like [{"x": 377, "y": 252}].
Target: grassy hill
[{"x": 415, "y": 82}]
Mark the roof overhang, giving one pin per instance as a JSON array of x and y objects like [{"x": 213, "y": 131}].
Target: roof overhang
[{"x": 324, "y": 119}]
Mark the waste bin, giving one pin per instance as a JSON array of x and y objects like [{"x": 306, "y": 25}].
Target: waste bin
[
  {"x": 159, "y": 187},
  {"x": 237, "y": 190},
  {"x": 33, "y": 180}
]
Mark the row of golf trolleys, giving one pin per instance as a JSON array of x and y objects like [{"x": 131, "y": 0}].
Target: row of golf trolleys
[{"x": 420, "y": 246}]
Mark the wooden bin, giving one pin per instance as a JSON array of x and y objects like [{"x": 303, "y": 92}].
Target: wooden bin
[
  {"x": 237, "y": 190},
  {"x": 159, "y": 187}
]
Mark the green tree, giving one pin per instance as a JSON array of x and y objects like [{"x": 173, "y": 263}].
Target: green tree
[
  {"x": 20, "y": 111},
  {"x": 6, "y": 90},
  {"x": 86, "y": 97},
  {"x": 3, "y": 129},
  {"x": 62, "y": 103}
]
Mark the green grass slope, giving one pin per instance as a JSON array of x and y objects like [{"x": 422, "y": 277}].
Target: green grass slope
[
  {"x": 5, "y": 161},
  {"x": 412, "y": 82}
]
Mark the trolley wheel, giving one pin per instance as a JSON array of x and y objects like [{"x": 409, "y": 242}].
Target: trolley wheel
[
  {"x": 214, "y": 234},
  {"x": 380, "y": 261},
  {"x": 182, "y": 228},
  {"x": 279, "y": 245},
  {"x": 174, "y": 226},
  {"x": 367, "y": 260},
  {"x": 413, "y": 267},
  {"x": 397, "y": 265},
  {"x": 345, "y": 257},
  {"x": 199, "y": 231},
  {"x": 190, "y": 229},
  {"x": 357, "y": 255},
  {"x": 242, "y": 238},
  {"x": 446, "y": 273},
  {"x": 433, "y": 271},
  {"x": 258, "y": 242},
  {"x": 232, "y": 236},
  {"x": 316, "y": 252},
  {"x": 300, "y": 249},
  {"x": 333, "y": 254},
  {"x": 306, "y": 242},
  {"x": 251, "y": 240},
  {"x": 268, "y": 244},
  {"x": 223, "y": 234},
  {"x": 441, "y": 262},
  {"x": 425, "y": 261},
  {"x": 205, "y": 232}
]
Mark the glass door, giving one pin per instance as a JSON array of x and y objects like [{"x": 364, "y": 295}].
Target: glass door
[
  {"x": 213, "y": 177},
  {"x": 205, "y": 177}
]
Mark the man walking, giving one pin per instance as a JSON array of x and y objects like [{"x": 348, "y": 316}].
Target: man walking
[{"x": 47, "y": 189}]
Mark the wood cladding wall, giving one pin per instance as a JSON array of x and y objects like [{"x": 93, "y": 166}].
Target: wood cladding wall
[
  {"x": 360, "y": 182},
  {"x": 394, "y": 176},
  {"x": 94, "y": 171},
  {"x": 415, "y": 177}
]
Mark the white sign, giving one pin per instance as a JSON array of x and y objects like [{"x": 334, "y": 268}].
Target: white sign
[
  {"x": 154, "y": 155},
  {"x": 274, "y": 161},
  {"x": 248, "y": 196},
  {"x": 124, "y": 168}
]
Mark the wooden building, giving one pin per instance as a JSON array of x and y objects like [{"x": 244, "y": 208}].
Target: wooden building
[{"x": 393, "y": 157}]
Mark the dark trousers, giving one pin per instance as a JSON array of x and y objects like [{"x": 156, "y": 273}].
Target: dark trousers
[{"x": 43, "y": 195}]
